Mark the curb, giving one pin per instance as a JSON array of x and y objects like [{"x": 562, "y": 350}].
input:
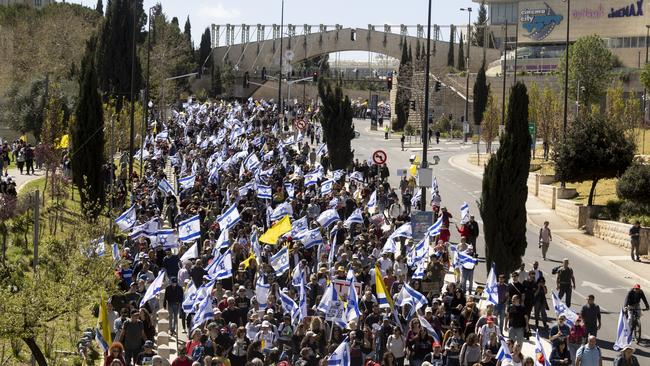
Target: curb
[{"x": 568, "y": 244}]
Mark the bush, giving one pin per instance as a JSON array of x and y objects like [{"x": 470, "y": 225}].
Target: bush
[
  {"x": 631, "y": 209},
  {"x": 611, "y": 211},
  {"x": 409, "y": 130},
  {"x": 634, "y": 184}
]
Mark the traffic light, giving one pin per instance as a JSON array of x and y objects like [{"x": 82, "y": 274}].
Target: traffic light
[
  {"x": 246, "y": 84},
  {"x": 315, "y": 77},
  {"x": 389, "y": 82},
  {"x": 437, "y": 86}
]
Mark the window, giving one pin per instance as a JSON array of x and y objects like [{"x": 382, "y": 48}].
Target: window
[
  {"x": 633, "y": 42},
  {"x": 38, "y": 3},
  {"x": 626, "y": 42},
  {"x": 502, "y": 12}
]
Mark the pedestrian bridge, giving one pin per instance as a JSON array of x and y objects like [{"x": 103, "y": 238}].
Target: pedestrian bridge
[{"x": 254, "y": 55}]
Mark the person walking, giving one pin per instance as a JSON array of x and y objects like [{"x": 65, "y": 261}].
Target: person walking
[
  {"x": 545, "y": 238},
  {"x": 590, "y": 314},
  {"x": 401, "y": 140},
  {"x": 589, "y": 353},
  {"x": 172, "y": 302},
  {"x": 635, "y": 235},
  {"x": 566, "y": 282}
]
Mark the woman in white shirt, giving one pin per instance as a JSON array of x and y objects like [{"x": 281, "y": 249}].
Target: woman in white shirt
[{"x": 397, "y": 344}]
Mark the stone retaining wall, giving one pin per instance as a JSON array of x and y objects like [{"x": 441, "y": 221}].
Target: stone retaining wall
[
  {"x": 546, "y": 193},
  {"x": 568, "y": 210},
  {"x": 614, "y": 232}
]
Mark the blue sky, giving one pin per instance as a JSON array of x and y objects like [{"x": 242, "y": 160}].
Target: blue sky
[{"x": 349, "y": 13}]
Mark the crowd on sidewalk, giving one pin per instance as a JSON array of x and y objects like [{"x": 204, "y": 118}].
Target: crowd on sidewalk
[{"x": 268, "y": 255}]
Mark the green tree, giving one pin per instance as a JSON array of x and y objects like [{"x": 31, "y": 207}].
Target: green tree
[
  {"x": 624, "y": 111},
  {"x": 480, "y": 95},
  {"x": 450, "y": 54},
  {"x": 87, "y": 138},
  {"x": 403, "y": 93},
  {"x": 204, "y": 46},
  {"x": 594, "y": 149},
  {"x": 187, "y": 31},
  {"x": 114, "y": 53},
  {"x": 645, "y": 76},
  {"x": 479, "y": 26},
  {"x": 461, "y": 54},
  {"x": 99, "y": 8},
  {"x": 590, "y": 68},
  {"x": 336, "y": 119},
  {"x": 503, "y": 201},
  {"x": 491, "y": 120},
  {"x": 634, "y": 184}
]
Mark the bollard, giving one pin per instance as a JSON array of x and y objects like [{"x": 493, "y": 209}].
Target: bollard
[
  {"x": 163, "y": 314},
  {"x": 163, "y": 325},
  {"x": 164, "y": 351},
  {"x": 162, "y": 338}
]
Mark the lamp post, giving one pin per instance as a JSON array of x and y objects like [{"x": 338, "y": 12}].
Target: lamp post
[
  {"x": 425, "y": 125},
  {"x": 281, "y": 57},
  {"x": 469, "y": 41},
  {"x": 566, "y": 74},
  {"x": 132, "y": 98},
  {"x": 645, "y": 91},
  {"x": 145, "y": 104}
]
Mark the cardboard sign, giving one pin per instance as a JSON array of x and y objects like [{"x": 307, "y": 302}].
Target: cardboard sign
[
  {"x": 343, "y": 286},
  {"x": 335, "y": 311}
]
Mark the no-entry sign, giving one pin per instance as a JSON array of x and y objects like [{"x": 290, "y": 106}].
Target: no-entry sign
[
  {"x": 379, "y": 157},
  {"x": 301, "y": 124}
]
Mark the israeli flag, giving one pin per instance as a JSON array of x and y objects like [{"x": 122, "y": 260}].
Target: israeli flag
[
  {"x": 352, "y": 308},
  {"x": 187, "y": 182},
  {"x": 280, "y": 261},
  {"x": 229, "y": 218},
  {"x": 138, "y": 231},
  {"x": 299, "y": 226},
  {"x": 312, "y": 239},
  {"x": 166, "y": 238},
  {"x": 302, "y": 301},
  {"x": 154, "y": 289},
  {"x": 504, "y": 351},
  {"x": 189, "y": 229},
  {"x": 311, "y": 179},
  {"x": 427, "y": 326},
  {"x": 116, "y": 251},
  {"x": 491, "y": 286},
  {"x": 420, "y": 270},
  {"x": 328, "y": 217},
  {"x": 434, "y": 185},
  {"x": 415, "y": 200},
  {"x": 243, "y": 190},
  {"x": 326, "y": 187},
  {"x": 322, "y": 150},
  {"x": 268, "y": 156},
  {"x": 329, "y": 302},
  {"x": 372, "y": 201},
  {"x": 191, "y": 253},
  {"x": 561, "y": 309},
  {"x": 163, "y": 135},
  {"x": 262, "y": 290},
  {"x": 417, "y": 254},
  {"x": 409, "y": 296},
  {"x": 341, "y": 355},
  {"x": 623, "y": 332},
  {"x": 289, "y": 306},
  {"x": 540, "y": 354},
  {"x": 127, "y": 219},
  {"x": 223, "y": 241},
  {"x": 465, "y": 260},
  {"x": 166, "y": 187},
  {"x": 255, "y": 244},
  {"x": 464, "y": 213},
  {"x": 290, "y": 189},
  {"x": 252, "y": 162},
  {"x": 100, "y": 247},
  {"x": 338, "y": 174},
  {"x": 356, "y": 176},
  {"x": 264, "y": 192},
  {"x": 403, "y": 231},
  {"x": 203, "y": 313},
  {"x": 221, "y": 266},
  {"x": 434, "y": 229},
  {"x": 281, "y": 211},
  {"x": 355, "y": 218},
  {"x": 99, "y": 338}
]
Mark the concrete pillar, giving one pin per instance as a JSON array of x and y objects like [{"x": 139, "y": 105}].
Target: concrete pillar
[
  {"x": 164, "y": 351},
  {"x": 162, "y": 338},
  {"x": 163, "y": 314},
  {"x": 163, "y": 325}
]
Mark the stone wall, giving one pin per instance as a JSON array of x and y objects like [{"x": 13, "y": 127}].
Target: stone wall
[
  {"x": 546, "y": 193},
  {"x": 568, "y": 210},
  {"x": 532, "y": 184},
  {"x": 444, "y": 102},
  {"x": 611, "y": 231}
]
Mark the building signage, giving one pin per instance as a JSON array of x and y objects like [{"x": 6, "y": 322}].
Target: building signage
[
  {"x": 539, "y": 22},
  {"x": 635, "y": 9}
]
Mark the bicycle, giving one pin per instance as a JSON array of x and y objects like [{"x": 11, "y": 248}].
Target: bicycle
[{"x": 634, "y": 318}]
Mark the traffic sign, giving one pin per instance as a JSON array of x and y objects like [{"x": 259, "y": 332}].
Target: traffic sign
[
  {"x": 301, "y": 124},
  {"x": 379, "y": 157}
]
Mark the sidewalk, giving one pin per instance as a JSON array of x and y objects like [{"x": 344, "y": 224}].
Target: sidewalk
[{"x": 616, "y": 257}]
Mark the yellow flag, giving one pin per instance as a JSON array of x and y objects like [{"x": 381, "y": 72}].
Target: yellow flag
[
  {"x": 383, "y": 296},
  {"x": 23, "y": 138},
  {"x": 64, "y": 142},
  {"x": 102, "y": 322},
  {"x": 247, "y": 262},
  {"x": 277, "y": 230}
]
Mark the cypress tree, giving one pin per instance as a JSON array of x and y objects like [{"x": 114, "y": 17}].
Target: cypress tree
[
  {"x": 403, "y": 94},
  {"x": 87, "y": 138},
  {"x": 479, "y": 26},
  {"x": 481, "y": 92},
  {"x": 114, "y": 55},
  {"x": 461, "y": 54},
  {"x": 188, "y": 30},
  {"x": 450, "y": 54},
  {"x": 100, "y": 7},
  {"x": 336, "y": 119},
  {"x": 204, "y": 46},
  {"x": 503, "y": 201}
]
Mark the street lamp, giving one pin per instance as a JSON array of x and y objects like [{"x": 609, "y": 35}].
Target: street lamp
[
  {"x": 425, "y": 125},
  {"x": 281, "y": 111},
  {"x": 469, "y": 41},
  {"x": 132, "y": 97},
  {"x": 145, "y": 104},
  {"x": 566, "y": 74},
  {"x": 645, "y": 91}
]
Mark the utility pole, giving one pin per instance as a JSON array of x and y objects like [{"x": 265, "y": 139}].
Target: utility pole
[
  {"x": 132, "y": 127},
  {"x": 469, "y": 42},
  {"x": 37, "y": 218},
  {"x": 505, "y": 71},
  {"x": 281, "y": 111},
  {"x": 566, "y": 77},
  {"x": 425, "y": 125},
  {"x": 645, "y": 91}
]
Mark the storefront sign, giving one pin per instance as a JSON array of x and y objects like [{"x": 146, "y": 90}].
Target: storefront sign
[
  {"x": 633, "y": 10},
  {"x": 539, "y": 22}
]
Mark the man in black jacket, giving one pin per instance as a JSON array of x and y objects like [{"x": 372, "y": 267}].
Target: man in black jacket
[{"x": 172, "y": 302}]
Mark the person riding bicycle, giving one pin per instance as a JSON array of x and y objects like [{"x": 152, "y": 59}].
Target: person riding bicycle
[{"x": 633, "y": 302}]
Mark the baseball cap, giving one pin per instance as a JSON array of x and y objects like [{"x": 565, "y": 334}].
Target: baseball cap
[
  {"x": 148, "y": 344},
  {"x": 637, "y": 286},
  {"x": 490, "y": 319}
]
